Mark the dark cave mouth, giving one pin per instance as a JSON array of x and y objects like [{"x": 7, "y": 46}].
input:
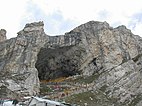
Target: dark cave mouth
[{"x": 56, "y": 63}]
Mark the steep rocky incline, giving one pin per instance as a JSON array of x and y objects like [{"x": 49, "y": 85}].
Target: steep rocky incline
[{"x": 94, "y": 47}]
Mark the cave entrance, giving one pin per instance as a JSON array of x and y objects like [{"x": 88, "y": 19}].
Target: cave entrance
[{"x": 57, "y": 62}]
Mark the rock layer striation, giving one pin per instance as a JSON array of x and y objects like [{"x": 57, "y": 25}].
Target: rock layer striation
[{"x": 93, "y": 47}]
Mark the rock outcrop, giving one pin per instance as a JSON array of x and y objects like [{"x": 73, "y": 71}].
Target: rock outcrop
[
  {"x": 94, "y": 47},
  {"x": 2, "y": 35},
  {"x": 17, "y": 61}
]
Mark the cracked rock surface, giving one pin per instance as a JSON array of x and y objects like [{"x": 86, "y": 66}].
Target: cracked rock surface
[{"x": 93, "y": 47}]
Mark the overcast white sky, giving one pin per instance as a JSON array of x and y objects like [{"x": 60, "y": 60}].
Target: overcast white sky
[{"x": 61, "y": 16}]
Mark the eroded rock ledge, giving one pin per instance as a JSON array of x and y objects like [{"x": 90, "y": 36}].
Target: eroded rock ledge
[{"x": 89, "y": 48}]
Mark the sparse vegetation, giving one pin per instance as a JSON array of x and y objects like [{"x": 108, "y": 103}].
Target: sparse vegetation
[
  {"x": 45, "y": 90},
  {"x": 136, "y": 100},
  {"x": 103, "y": 88},
  {"x": 3, "y": 90},
  {"x": 91, "y": 98},
  {"x": 82, "y": 98},
  {"x": 61, "y": 79},
  {"x": 87, "y": 79}
]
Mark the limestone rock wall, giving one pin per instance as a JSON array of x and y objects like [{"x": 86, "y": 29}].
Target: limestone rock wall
[
  {"x": 114, "y": 53},
  {"x": 17, "y": 61}
]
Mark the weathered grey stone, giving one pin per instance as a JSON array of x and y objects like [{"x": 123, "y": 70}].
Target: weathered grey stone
[
  {"x": 94, "y": 47},
  {"x": 17, "y": 60},
  {"x": 2, "y": 35}
]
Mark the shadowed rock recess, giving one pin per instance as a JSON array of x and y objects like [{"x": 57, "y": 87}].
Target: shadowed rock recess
[{"x": 93, "y": 47}]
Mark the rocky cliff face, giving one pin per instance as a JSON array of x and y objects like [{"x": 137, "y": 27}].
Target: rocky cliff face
[
  {"x": 94, "y": 47},
  {"x": 17, "y": 61}
]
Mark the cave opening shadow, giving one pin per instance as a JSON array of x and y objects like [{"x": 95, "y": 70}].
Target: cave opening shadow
[{"x": 56, "y": 63}]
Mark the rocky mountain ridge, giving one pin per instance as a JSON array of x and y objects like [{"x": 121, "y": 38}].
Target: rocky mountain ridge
[{"x": 93, "y": 47}]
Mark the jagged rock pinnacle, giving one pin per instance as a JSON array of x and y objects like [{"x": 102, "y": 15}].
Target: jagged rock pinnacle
[{"x": 31, "y": 27}]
